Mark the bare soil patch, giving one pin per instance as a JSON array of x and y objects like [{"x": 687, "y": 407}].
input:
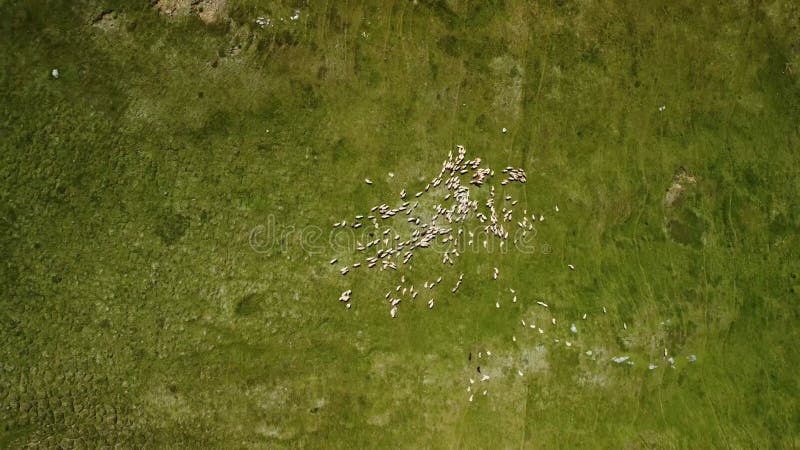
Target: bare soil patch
[
  {"x": 106, "y": 20},
  {"x": 680, "y": 181},
  {"x": 209, "y": 11}
]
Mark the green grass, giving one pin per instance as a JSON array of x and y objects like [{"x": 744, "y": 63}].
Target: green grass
[{"x": 136, "y": 312}]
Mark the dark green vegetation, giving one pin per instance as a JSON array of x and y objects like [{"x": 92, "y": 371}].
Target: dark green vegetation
[{"x": 134, "y": 311}]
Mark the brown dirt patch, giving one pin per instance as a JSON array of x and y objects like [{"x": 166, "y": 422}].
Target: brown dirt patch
[
  {"x": 173, "y": 8},
  {"x": 106, "y": 20},
  {"x": 680, "y": 181},
  {"x": 209, "y": 11}
]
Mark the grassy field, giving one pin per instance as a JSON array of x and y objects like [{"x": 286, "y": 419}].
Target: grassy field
[{"x": 159, "y": 286}]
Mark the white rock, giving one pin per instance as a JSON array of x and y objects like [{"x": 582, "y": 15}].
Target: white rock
[{"x": 55, "y": 73}]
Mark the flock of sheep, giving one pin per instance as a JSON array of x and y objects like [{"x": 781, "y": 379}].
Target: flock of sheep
[
  {"x": 439, "y": 225},
  {"x": 442, "y": 224}
]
